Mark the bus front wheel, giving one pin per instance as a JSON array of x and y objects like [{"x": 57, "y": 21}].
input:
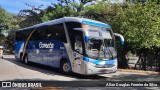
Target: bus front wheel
[{"x": 65, "y": 67}]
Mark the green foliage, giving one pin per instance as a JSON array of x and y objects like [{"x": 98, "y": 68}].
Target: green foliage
[
  {"x": 57, "y": 11},
  {"x": 7, "y": 20},
  {"x": 29, "y": 17},
  {"x": 65, "y": 8},
  {"x": 138, "y": 23},
  {"x": 10, "y": 23},
  {"x": 141, "y": 25}
]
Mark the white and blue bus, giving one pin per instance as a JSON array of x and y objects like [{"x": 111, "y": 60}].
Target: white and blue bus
[{"x": 72, "y": 44}]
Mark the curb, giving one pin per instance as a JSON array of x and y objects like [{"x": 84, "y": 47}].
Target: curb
[{"x": 138, "y": 71}]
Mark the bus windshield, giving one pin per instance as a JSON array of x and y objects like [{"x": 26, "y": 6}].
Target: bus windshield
[
  {"x": 99, "y": 32},
  {"x": 100, "y": 44}
]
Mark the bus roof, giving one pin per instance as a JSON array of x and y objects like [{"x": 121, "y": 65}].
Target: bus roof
[{"x": 69, "y": 19}]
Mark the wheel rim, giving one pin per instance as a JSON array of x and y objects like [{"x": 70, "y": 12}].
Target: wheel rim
[{"x": 66, "y": 67}]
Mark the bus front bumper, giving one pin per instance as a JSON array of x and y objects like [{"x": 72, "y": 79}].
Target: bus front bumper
[{"x": 92, "y": 69}]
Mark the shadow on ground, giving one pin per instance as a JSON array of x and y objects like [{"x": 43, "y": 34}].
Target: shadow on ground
[
  {"x": 119, "y": 76},
  {"x": 93, "y": 82},
  {"x": 51, "y": 71}
]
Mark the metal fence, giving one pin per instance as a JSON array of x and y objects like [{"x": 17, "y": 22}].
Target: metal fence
[{"x": 148, "y": 61}]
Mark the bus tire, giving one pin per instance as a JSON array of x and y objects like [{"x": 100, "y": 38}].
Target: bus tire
[
  {"x": 26, "y": 59},
  {"x": 21, "y": 59},
  {"x": 65, "y": 67}
]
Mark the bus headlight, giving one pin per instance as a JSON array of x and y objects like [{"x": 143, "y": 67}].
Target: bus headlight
[{"x": 92, "y": 64}]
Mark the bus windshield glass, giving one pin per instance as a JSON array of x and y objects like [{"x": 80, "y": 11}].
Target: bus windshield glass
[{"x": 100, "y": 44}]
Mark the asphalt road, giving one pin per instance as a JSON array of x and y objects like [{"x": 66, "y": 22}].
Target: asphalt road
[{"x": 13, "y": 70}]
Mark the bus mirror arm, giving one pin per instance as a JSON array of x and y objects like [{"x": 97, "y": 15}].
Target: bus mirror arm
[
  {"x": 79, "y": 29},
  {"x": 121, "y": 37}
]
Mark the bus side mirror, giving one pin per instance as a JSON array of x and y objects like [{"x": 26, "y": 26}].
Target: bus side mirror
[
  {"x": 78, "y": 29},
  {"x": 86, "y": 38},
  {"x": 121, "y": 37}
]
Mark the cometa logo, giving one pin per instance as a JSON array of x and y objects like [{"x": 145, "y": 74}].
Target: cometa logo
[{"x": 46, "y": 45}]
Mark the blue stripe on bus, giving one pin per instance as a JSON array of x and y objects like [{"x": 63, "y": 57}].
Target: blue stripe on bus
[
  {"x": 100, "y": 61},
  {"x": 122, "y": 42},
  {"x": 86, "y": 38},
  {"x": 96, "y": 24},
  {"x": 85, "y": 58},
  {"x": 18, "y": 46}
]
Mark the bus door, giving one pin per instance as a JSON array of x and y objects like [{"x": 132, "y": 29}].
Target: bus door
[{"x": 78, "y": 54}]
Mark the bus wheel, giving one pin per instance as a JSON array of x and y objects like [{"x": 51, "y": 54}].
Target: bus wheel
[
  {"x": 26, "y": 59},
  {"x": 21, "y": 58},
  {"x": 65, "y": 67}
]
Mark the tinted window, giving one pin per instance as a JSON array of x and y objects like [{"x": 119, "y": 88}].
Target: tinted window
[
  {"x": 56, "y": 32},
  {"x": 52, "y": 32},
  {"x": 22, "y": 35},
  {"x": 27, "y": 33},
  {"x": 18, "y": 36},
  {"x": 60, "y": 33},
  {"x": 70, "y": 26},
  {"x": 78, "y": 42},
  {"x": 39, "y": 33}
]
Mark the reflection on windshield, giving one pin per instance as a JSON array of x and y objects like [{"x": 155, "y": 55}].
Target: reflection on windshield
[
  {"x": 98, "y": 50},
  {"x": 94, "y": 33},
  {"x": 100, "y": 45},
  {"x": 99, "y": 32},
  {"x": 94, "y": 45}
]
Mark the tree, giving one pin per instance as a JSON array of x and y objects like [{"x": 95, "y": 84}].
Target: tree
[
  {"x": 7, "y": 20},
  {"x": 57, "y": 11},
  {"x": 143, "y": 1},
  {"x": 9, "y": 24},
  {"x": 138, "y": 23},
  {"x": 29, "y": 17},
  {"x": 65, "y": 8}
]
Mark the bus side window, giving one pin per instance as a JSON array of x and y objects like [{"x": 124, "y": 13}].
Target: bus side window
[
  {"x": 34, "y": 35},
  {"x": 38, "y": 34},
  {"x": 78, "y": 44},
  {"x": 70, "y": 26},
  {"x": 41, "y": 33},
  {"x": 19, "y": 36},
  {"x": 27, "y": 33},
  {"x": 60, "y": 33},
  {"x": 50, "y": 33}
]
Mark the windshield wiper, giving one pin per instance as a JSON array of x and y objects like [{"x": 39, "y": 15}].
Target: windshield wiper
[
  {"x": 98, "y": 52},
  {"x": 110, "y": 53}
]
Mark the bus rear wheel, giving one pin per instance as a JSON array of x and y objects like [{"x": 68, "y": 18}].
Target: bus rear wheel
[
  {"x": 65, "y": 67},
  {"x": 21, "y": 59},
  {"x": 26, "y": 59}
]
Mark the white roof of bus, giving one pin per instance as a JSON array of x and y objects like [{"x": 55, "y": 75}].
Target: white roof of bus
[{"x": 61, "y": 20}]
